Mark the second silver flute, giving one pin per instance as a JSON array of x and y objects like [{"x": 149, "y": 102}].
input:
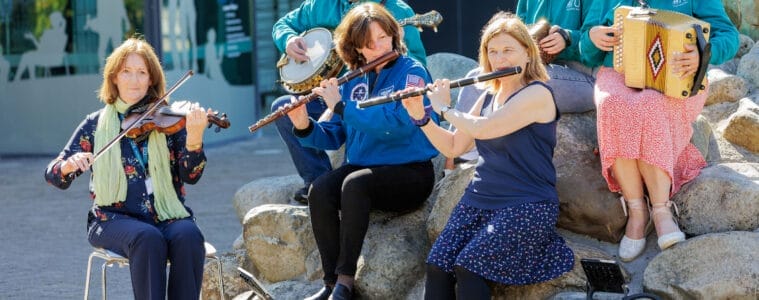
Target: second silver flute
[{"x": 454, "y": 84}]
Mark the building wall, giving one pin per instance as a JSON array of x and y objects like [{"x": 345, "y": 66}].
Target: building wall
[{"x": 53, "y": 53}]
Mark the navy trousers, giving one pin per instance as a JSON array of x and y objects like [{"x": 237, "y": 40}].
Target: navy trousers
[{"x": 148, "y": 247}]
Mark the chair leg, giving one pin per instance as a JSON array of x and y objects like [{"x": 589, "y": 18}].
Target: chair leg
[
  {"x": 87, "y": 280},
  {"x": 103, "y": 279}
]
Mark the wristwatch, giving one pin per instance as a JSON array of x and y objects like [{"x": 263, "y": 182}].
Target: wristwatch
[{"x": 443, "y": 110}]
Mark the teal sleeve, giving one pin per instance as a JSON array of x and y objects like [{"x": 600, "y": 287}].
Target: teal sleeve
[
  {"x": 310, "y": 14},
  {"x": 572, "y": 51},
  {"x": 601, "y": 12},
  {"x": 724, "y": 35},
  {"x": 522, "y": 11}
]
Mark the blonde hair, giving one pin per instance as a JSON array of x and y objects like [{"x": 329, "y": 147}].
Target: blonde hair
[
  {"x": 115, "y": 62},
  {"x": 508, "y": 23},
  {"x": 353, "y": 32}
]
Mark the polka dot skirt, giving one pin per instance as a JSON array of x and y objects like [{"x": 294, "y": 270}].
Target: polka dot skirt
[{"x": 515, "y": 245}]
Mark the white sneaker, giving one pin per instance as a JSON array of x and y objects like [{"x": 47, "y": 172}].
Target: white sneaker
[{"x": 629, "y": 249}]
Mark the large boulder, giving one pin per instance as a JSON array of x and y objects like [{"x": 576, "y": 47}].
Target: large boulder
[
  {"x": 269, "y": 190},
  {"x": 724, "y": 87},
  {"x": 280, "y": 247},
  {"x": 744, "y": 45},
  {"x": 278, "y": 238},
  {"x": 451, "y": 66},
  {"x": 743, "y": 126},
  {"x": 448, "y": 192},
  {"x": 713, "y": 266},
  {"x": 586, "y": 205},
  {"x": 393, "y": 255},
  {"x": 745, "y": 16},
  {"x": 702, "y": 137},
  {"x": 233, "y": 284},
  {"x": 749, "y": 64},
  {"x": 723, "y": 197}
]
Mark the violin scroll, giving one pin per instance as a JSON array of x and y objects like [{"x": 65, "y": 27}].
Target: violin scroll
[{"x": 220, "y": 122}]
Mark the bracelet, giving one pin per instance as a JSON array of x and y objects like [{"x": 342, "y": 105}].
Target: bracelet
[
  {"x": 565, "y": 35},
  {"x": 193, "y": 147},
  {"x": 424, "y": 120}
]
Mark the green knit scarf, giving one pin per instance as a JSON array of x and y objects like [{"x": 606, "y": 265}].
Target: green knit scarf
[{"x": 108, "y": 172}]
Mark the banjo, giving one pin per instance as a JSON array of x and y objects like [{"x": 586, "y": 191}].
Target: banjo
[{"x": 323, "y": 62}]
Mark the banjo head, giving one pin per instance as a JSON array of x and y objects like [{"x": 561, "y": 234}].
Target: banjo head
[{"x": 298, "y": 78}]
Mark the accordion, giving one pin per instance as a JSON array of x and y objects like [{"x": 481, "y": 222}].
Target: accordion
[{"x": 649, "y": 38}]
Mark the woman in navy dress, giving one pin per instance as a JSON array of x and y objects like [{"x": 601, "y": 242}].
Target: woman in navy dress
[{"x": 503, "y": 229}]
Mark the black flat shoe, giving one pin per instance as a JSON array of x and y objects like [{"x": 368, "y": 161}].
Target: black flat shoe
[
  {"x": 322, "y": 294},
  {"x": 341, "y": 292}
]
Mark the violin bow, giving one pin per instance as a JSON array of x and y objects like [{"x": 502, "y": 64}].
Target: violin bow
[{"x": 123, "y": 133}]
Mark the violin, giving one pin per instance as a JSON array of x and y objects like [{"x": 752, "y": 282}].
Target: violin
[{"x": 167, "y": 119}]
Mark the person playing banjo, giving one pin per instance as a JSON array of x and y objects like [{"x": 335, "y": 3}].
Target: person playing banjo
[{"x": 310, "y": 162}]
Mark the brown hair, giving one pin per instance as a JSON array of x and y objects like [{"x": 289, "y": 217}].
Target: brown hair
[
  {"x": 508, "y": 23},
  {"x": 115, "y": 62},
  {"x": 353, "y": 32}
]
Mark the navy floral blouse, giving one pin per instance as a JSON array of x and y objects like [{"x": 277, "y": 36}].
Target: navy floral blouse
[{"x": 186, "y": 167}]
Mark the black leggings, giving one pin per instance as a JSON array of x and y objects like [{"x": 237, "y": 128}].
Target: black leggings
[
  {"x": 340, "y": 201},
  {"x": 442, "y": 285}
]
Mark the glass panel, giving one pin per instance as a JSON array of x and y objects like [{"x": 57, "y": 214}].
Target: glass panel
[
  {"x": 59, "y": 37},
  {"x": 215, "y": 43}
]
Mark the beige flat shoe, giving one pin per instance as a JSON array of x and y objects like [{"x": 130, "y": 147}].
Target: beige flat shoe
[
  {"x": 629, "y": 248},
  {"x": 662, "y": 216}
]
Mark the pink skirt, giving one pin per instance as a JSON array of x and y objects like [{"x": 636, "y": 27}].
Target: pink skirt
[{"x": 648, "y": 126}]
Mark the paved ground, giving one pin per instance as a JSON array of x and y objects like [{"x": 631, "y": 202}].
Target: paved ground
[{"x": 42, "y": 229}]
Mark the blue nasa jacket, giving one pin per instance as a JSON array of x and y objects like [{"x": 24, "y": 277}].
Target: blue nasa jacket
[{"x": 375, "y": 135}]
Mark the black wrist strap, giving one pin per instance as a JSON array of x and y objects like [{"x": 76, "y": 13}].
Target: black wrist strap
[{"x": 565, "y": 35}]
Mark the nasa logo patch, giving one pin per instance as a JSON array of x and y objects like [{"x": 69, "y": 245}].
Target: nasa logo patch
[{"x": 360, "y": 92}]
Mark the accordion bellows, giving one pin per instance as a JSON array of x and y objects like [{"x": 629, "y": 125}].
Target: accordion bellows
[{"x": 649, "y": 38}]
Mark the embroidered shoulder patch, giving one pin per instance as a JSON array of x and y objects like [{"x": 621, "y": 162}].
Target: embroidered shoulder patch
[
  {"x": 386, "y": 91},
  {"x": 360, "y": 92},
  {"x": 414, "y": 80}
]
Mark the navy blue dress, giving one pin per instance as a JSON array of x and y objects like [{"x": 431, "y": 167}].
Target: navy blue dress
[{"x": 504, "y": 227}]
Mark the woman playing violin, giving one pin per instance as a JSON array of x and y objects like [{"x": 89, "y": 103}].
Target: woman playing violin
[{"x": 137, "y": 185}]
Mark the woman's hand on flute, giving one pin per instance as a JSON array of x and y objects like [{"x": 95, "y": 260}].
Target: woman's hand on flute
[
  {"x": 299, "y": 115},
  {"x": 413, "y": 105},
  {"x": 439, "y": 94},
  {"x": 328, "y": 90}
]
